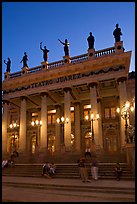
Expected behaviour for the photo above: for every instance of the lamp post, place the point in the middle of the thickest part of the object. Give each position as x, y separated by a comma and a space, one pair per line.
124, 112
38, 124
13, 126
62, 121
92, 119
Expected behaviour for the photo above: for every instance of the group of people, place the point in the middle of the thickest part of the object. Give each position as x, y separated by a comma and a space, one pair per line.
84, 165
117, 33
83, 169
48, 169
10, 162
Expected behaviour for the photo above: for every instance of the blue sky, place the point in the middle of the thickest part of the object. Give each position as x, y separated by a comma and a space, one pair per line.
26, 24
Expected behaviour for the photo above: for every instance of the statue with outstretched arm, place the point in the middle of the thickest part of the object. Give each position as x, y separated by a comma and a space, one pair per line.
66, 46
45, 52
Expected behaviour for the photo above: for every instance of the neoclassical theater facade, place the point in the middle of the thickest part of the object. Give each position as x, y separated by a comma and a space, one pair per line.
65, 106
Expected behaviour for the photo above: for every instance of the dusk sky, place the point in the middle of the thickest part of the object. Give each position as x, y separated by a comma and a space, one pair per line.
26, 24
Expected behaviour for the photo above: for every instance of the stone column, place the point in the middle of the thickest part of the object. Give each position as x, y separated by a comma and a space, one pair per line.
94, 110
122, 99
67, 114
4, 127
22, 131
57, 130
77, 136
43, 133
100, 138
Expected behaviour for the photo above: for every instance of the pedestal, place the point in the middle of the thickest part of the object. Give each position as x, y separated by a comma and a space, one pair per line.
6, 75
130, 153
91, 53
67, 59
24, 70
44, 65
119, 47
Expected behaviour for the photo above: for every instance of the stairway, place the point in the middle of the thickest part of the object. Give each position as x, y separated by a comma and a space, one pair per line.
68, 171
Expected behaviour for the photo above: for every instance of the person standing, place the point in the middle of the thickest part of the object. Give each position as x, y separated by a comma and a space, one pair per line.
83, 170
94, 168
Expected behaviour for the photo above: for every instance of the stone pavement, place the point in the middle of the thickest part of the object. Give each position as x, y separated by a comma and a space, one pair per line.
30, 189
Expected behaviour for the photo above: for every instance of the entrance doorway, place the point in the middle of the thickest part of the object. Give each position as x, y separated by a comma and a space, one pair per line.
88, 139
13, 142
51, 144
110, 141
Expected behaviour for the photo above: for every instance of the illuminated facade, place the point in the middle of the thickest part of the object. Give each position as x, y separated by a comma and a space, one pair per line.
36, 99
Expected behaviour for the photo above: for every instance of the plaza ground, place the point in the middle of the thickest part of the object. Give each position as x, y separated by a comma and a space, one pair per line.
28, 189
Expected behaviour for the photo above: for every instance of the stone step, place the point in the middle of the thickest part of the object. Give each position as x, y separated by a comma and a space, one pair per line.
67, 170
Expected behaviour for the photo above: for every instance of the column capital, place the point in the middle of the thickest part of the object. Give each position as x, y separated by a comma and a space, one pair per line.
5, 101
76, 103
23, 97
39, 109
121, 79
57, 106
93, 84
44, 94
98, 100
66, 89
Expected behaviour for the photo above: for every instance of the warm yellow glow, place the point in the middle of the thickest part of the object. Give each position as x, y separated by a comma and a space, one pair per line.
92, 116
67, 120
37, 122
11, 126
40, 122
52, 111
14, 124
87, 107
132, 108
32, 123
127, 104
118, 110
62, 119
72, 108
58, 120
86, 117
97, 116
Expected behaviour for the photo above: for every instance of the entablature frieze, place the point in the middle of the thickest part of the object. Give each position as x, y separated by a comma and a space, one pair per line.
62, 82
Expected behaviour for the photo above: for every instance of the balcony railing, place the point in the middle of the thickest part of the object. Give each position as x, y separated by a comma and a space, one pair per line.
73, 60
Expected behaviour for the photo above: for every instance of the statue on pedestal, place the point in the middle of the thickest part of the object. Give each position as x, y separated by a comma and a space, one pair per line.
91, 41
117, 33
24, 60
66, 46
45, 52
8, 63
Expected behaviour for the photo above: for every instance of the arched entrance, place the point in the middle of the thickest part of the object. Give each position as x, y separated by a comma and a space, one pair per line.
33, 144
13, 142
51, 143
110, 140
